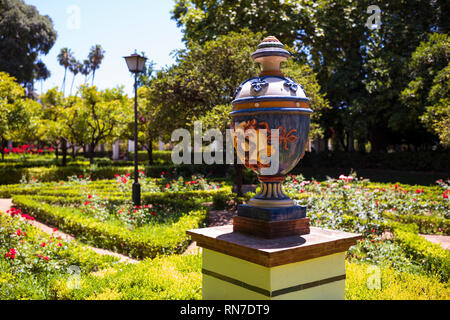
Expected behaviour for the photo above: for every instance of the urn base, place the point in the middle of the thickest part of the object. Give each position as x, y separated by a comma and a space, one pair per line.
271, 223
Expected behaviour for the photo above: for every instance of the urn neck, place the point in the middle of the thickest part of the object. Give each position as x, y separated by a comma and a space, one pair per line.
270, 53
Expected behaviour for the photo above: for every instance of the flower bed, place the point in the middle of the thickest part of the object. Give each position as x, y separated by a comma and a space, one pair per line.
148, 240
356, 205
31, 260
34, 265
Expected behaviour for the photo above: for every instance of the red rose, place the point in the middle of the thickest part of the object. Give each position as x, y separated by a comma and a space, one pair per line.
43, 244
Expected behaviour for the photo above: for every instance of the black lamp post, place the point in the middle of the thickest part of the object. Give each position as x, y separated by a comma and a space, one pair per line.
136, 64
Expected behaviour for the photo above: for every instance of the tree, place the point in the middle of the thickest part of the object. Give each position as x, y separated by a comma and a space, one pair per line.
437, 114
65, 57
85, 69
99, 115
41, 72
24, 34
75, 67
52, 122
427, 93
15, 110
206, 20
148, 120
96, 55
360, 70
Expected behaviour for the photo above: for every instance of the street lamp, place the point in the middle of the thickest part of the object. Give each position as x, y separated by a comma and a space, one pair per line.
136, 64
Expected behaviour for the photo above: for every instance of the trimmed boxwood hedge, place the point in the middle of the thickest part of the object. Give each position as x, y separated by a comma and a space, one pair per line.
435, 259
54, 173
140, 243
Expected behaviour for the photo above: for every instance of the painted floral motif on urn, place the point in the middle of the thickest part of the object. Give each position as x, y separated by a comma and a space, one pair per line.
270, 127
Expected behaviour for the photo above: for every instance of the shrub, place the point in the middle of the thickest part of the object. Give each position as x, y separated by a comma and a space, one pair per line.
394, 285
175, 278
147, 241
39, 259
435, 259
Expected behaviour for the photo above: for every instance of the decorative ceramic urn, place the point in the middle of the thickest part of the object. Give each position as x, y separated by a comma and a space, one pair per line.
262, 104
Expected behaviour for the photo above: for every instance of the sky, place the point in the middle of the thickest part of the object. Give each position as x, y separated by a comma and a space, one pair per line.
119, 27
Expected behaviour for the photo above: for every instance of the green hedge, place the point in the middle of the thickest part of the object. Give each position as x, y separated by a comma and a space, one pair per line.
54, 173
404, 161
147, 241
163, 278
434, 258
394, 285
425, 224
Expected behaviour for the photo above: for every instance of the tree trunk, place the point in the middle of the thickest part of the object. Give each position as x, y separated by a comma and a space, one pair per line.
377, 138
350, 143
361, 146
238, 179
93, 75
150, 153
91, 153
3, 149
74, 152
57, 150
64, 151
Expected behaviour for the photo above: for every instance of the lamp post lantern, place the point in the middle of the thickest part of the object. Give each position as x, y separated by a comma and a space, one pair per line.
136, 64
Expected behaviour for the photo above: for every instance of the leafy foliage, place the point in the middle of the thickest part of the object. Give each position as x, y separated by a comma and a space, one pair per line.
25, 35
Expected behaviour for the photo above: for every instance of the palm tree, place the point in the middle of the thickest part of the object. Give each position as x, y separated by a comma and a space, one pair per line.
64, 57
75, 67
95, 57
85, 69
41, 72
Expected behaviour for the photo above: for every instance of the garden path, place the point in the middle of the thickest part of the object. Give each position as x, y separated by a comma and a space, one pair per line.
6, 204
443, 241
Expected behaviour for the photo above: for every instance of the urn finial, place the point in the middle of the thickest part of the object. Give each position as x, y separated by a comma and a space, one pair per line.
270, 53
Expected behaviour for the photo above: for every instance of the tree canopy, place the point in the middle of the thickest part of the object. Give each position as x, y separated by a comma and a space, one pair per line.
360, 69
428, 92
24, 36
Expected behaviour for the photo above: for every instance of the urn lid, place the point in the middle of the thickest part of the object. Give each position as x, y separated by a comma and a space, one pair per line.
271, 88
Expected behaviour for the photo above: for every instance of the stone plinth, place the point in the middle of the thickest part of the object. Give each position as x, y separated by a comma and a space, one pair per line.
241, 266
271, 222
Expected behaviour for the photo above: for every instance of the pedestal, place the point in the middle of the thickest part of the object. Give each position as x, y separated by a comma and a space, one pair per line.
245, 267
271, 222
